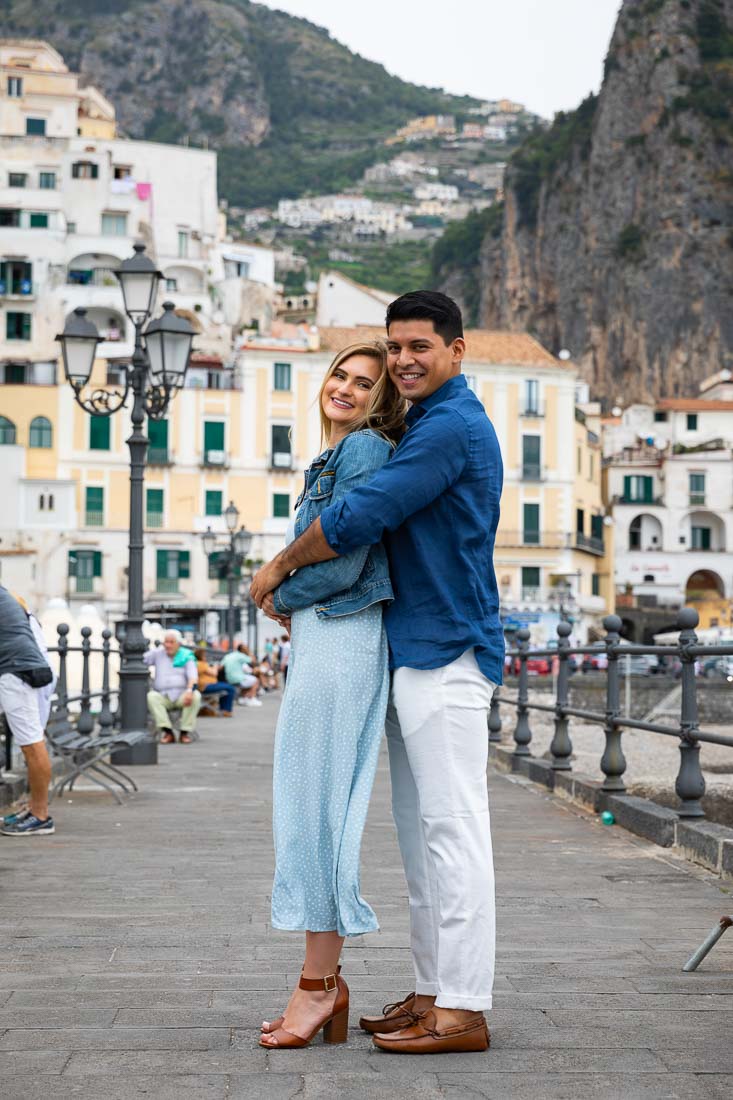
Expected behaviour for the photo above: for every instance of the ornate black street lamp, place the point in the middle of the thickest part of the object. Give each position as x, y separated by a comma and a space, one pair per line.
157, 372
231, 559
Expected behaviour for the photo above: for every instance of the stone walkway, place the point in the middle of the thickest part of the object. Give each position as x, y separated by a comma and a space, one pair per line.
137, 959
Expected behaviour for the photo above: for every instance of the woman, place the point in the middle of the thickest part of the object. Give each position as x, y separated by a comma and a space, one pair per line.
333, 709
209, 683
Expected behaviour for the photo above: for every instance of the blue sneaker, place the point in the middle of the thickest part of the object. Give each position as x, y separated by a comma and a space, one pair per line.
28, 825
11, 819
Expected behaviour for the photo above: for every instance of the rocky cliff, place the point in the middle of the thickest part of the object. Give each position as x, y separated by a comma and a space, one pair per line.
616, 239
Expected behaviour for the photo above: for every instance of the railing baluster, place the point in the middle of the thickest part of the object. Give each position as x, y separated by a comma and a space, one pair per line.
562, 747
106, 718
61, 706
85, 721
522, 731
690, 783
613, 761
495, 717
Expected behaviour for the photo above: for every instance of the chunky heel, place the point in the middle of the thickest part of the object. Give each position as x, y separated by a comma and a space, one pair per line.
336, 1030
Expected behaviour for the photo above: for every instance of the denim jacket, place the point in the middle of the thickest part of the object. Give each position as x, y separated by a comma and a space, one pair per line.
360, 578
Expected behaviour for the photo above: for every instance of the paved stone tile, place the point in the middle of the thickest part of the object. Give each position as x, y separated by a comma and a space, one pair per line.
137, 963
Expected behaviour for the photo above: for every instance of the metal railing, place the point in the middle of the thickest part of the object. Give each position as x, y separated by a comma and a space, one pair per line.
690, 783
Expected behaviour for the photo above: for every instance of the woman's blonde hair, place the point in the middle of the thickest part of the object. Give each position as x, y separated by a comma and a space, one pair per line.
385, 411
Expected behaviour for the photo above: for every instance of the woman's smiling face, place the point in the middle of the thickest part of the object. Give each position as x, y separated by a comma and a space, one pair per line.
346, 392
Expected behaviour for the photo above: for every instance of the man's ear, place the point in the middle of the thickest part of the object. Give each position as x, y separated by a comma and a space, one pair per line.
458, 349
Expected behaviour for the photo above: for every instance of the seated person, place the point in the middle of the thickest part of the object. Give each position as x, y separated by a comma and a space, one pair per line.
174, 687
209, 684
238, 671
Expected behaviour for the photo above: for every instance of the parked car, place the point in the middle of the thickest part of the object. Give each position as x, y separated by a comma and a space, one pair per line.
536, 666
718, 668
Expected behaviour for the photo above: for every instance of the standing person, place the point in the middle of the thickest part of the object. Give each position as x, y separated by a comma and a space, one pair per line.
210, 684
438, 500
174, 687
237, 667
284, 657
24, 672
332, 715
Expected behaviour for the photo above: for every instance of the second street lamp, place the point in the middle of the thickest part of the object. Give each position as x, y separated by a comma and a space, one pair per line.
230, 559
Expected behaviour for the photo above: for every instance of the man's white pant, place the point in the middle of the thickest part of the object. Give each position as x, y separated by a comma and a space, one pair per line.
438, 743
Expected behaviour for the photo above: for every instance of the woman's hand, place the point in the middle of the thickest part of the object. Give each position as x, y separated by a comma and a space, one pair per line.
268, 606
266, 581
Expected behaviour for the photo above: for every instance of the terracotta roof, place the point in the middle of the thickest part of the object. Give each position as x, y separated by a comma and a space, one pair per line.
482, 345
694, 404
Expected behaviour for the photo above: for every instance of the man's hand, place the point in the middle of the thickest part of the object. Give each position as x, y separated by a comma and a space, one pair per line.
268, 606
187, 698
265, 581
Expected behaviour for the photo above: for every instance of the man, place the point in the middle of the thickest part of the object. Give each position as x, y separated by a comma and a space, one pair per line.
176, 677
284, 657
24, 671
437, 504
237, 667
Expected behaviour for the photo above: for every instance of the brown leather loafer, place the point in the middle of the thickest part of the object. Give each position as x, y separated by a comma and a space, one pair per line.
394, 1017
168, 737
426, 1037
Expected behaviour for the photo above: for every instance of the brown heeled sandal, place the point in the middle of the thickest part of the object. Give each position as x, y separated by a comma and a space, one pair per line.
335, 1027
275, 1025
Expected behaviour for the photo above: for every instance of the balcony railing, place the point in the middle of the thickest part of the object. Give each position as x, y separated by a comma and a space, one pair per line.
281, 460
98, 276
17, 288
621, 498
166, 585
85, 584
94, 519
153, 519
532, 471
215, 458
533, 409
591, 543
159, 456
697, 498
549, 540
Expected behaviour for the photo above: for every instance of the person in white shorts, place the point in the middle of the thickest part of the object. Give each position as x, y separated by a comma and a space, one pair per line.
23, 665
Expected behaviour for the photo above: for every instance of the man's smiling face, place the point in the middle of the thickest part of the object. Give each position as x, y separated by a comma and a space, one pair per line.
418, 359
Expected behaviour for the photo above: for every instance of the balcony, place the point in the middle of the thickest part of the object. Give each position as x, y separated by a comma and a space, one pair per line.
591, 543
159, 456
697, 498
532, 471
18, 290
167, 586
281, 460
533, 410
84, 585
154, 519
215, 459
547, 540
94, 519
621, 498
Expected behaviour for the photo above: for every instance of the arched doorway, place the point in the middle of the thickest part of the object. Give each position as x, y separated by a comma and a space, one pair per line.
702, 585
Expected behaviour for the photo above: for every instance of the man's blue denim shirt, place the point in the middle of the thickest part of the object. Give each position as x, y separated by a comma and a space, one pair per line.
438, 499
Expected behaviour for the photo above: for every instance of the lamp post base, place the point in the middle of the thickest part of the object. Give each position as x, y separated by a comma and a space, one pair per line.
143, 752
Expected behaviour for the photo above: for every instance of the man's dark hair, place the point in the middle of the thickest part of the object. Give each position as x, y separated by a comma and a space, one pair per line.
428, 305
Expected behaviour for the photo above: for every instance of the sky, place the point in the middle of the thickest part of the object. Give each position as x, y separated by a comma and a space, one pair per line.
546, 54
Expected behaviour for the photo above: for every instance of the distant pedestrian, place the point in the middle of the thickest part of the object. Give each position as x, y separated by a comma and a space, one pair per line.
284, 657
174, 687
24, 673
238, 671
210, 684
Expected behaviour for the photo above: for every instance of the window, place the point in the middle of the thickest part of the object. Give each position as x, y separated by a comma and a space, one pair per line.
236, 269
579, 460
16, 277
660, 417
635, 534
94, 506
170, 567
17, 179
84, 170
17, 326
85, 565
697, 488
590, 467
35, 127
579, 520
214, 452
114, 225
596, 527
700, 538
39, 220
154, 507
530, 582
281, 505
692, 422
213, 502
7, 431
282, 376
71, 227
9, 219
531, 397
15, 87
171, 285
638, 489
41, 432
595, 585
15, 374
157, 442
182, 243
649, 578
47, 181
98, 433
281, 449
122, 171
531, 525
46, 503
531, 468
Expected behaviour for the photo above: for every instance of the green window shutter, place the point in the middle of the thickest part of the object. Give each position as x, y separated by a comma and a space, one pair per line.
281, 505
648, 495
98, 433
215, 568
530, 576
26, 326
627, 486
154, 502
94, 499
184, 563
72, 563
39, 221
161, 564
596, 527
97, 563
531, 524
158, 434
213, 502
282, 376
213, 436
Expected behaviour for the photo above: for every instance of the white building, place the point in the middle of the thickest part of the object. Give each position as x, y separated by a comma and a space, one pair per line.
442, 192
669, 471
344, 303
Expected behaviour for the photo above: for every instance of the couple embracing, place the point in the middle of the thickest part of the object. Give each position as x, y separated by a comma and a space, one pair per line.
389, 567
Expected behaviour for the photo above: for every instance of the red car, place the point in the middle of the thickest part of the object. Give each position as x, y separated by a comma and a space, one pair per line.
536, 666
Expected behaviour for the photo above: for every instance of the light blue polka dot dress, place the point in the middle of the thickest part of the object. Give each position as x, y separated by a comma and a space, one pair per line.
326, 746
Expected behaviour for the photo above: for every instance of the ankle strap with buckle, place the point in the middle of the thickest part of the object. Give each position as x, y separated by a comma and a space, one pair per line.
329, 983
